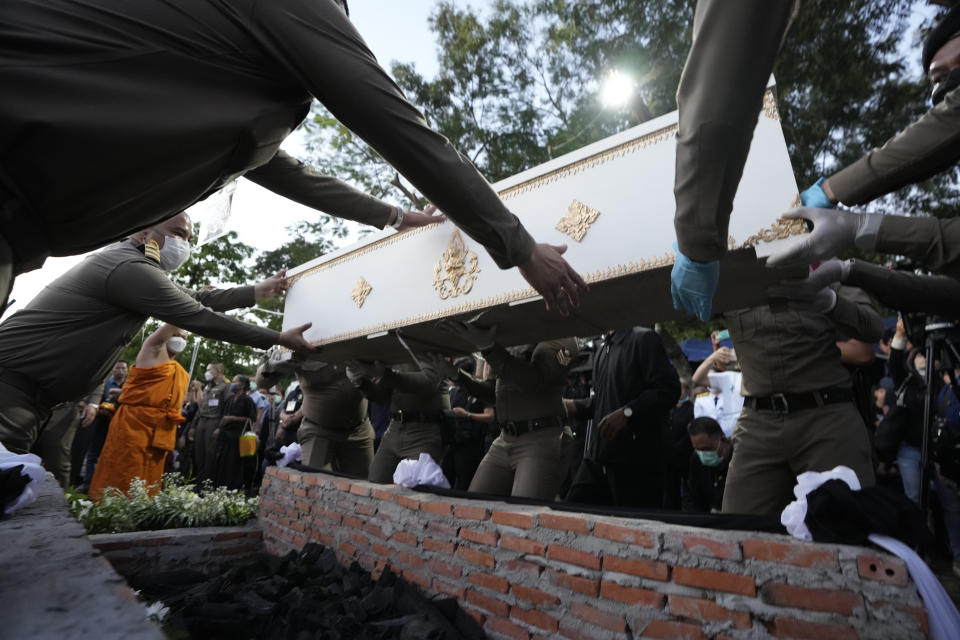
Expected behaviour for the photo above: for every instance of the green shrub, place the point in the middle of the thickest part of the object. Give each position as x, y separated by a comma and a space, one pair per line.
177, 504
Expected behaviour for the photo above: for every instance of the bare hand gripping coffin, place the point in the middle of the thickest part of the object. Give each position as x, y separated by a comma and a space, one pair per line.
611, 202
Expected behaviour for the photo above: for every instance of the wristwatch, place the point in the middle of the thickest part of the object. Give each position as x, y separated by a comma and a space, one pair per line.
627, 412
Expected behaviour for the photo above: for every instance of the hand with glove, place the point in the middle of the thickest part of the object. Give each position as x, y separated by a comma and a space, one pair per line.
834, 231
441, 365
693, 285
817, 197
478, 337
814, 293
358, 371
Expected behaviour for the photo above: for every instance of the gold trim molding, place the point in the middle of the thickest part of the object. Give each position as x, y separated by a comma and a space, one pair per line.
457, 269
770, 106
577, 220
361, 291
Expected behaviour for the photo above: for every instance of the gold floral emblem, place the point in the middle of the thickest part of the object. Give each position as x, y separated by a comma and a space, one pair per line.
577, 220
457, 269
770, 106
360, 292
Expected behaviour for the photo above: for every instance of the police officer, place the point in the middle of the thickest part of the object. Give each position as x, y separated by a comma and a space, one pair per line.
215, 396
531, 456
334, 433
798, 413
417, 402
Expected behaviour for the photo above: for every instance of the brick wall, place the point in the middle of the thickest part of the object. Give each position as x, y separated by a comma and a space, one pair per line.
205, 549
529, 572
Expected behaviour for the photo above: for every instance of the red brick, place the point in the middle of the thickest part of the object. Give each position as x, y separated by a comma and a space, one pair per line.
832, 600
374, 530
523, 545
521, 566
631, 595
350, 521
296, 526
717, 580
380, 494
492, 605
439, 508
322, 538
490, 581
445, 568
442, 529
537, 597
468, 512
416, 578
514, 519
359, 490
707, 610
702, 546
359, 539
230, 535
600, 618
300, 491
480, 537
566, 554
588, 586
341, 484
785, 627
564, 523
348, 549
801, 555
382, 550
404, 537
623, 534
410, 559
448, 588
674, 630
535, 619
432, 544
311, 479
884, 569
408, 502
364, 509
641, 567
477, 557
507, 628
919, 614
479, 616
333, 516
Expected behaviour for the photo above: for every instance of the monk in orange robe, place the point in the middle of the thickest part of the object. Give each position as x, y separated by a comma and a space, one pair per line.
144, 428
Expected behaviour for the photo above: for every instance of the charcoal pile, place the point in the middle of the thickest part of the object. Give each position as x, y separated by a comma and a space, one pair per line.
303, 596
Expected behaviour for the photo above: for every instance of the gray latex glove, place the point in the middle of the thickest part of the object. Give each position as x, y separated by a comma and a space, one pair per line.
479, 338
441, 365
834, 231
356, 371
814, 293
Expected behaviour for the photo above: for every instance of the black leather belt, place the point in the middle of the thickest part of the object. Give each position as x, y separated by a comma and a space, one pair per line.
520, 427
416, 416
792, 402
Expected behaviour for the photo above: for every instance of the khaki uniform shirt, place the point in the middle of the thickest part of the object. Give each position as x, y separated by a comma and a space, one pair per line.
69, 336
215, 397
413, 391
330, 400
528, 389
782, 350
117, 114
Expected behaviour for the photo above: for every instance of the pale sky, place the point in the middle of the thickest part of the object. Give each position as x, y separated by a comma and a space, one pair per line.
394, 31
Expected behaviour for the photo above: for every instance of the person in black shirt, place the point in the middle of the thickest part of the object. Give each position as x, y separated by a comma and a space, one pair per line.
679, 449
231, 470
708, 466
473, 418
634, 388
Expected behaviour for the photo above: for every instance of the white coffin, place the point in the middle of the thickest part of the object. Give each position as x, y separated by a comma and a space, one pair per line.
611, 203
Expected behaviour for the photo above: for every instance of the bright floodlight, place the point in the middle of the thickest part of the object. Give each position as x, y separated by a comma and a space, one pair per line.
617, 90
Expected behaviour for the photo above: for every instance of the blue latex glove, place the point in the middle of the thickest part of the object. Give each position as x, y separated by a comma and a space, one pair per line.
815, 196
693, 284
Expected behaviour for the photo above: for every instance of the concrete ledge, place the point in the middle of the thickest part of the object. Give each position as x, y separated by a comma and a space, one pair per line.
528, 572
54, 584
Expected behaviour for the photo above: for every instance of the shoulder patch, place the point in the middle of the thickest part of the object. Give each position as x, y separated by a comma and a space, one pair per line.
703, 395
564, 357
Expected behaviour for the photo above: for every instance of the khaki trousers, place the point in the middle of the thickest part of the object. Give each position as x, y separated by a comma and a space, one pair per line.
349, 451
20, 422
401, 442
532, 465
56, 441
770, 450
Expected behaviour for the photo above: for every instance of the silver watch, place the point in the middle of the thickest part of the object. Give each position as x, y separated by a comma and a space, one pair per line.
628, 412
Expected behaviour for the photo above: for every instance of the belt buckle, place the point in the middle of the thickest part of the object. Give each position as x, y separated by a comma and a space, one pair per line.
779, 398
510, 428
398, 415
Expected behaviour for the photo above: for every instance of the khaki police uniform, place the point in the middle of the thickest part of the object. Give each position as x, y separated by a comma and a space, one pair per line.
417, 402
798, 412
335, 433
531, 456
209, 413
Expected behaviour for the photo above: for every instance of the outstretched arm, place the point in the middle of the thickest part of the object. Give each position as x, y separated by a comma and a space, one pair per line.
154, 348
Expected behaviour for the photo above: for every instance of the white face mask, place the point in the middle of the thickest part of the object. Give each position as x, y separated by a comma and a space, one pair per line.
176, 344
174, 253
208, 376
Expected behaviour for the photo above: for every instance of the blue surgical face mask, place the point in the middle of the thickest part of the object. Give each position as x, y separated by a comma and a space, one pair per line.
234, 388
709, 458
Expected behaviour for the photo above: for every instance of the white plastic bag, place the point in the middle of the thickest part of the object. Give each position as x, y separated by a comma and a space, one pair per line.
795, 513
411, 473
291, 454
31, 467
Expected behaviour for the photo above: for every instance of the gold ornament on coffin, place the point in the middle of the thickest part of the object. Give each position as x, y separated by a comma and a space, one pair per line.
577, 220
457, 269
360, 292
